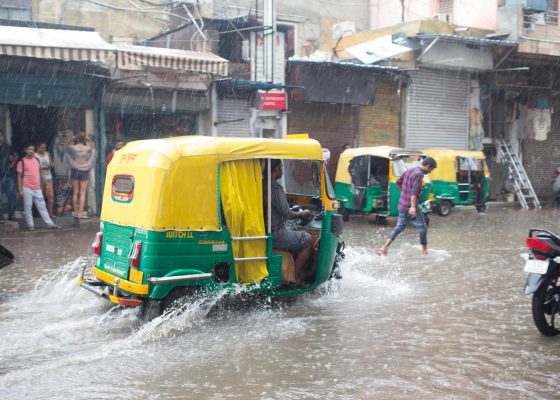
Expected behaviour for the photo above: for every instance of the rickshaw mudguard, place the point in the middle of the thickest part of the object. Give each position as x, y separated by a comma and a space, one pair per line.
159, 291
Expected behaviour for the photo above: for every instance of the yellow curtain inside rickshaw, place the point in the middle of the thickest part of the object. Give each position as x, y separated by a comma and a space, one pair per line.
242, 203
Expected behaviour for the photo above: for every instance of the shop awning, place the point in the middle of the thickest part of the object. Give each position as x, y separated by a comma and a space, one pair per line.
133, 57
58, 44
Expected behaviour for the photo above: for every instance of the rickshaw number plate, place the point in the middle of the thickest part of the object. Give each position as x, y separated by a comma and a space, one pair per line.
136, 276
536, 266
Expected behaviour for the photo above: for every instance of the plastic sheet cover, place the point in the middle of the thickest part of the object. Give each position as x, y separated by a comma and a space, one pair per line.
242, 202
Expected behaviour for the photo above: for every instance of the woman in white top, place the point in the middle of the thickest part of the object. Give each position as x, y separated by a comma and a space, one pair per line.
81, 156
46, 175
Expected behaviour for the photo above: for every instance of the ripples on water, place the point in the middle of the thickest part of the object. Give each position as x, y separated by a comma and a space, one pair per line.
401, 326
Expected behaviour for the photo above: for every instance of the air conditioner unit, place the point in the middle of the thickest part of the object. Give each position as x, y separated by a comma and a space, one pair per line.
345, 28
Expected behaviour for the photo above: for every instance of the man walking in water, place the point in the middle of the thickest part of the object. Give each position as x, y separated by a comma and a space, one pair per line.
410, 185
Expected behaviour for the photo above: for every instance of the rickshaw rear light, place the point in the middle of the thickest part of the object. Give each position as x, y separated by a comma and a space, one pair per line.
134, 255
96, 245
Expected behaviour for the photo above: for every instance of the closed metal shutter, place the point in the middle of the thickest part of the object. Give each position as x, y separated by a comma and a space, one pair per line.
437, 109
233, 117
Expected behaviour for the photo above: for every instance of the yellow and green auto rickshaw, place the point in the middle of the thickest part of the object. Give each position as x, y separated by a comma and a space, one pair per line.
185, 217
461, 178
366, 180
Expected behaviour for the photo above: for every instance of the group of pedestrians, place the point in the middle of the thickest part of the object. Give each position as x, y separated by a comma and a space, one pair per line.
32, 177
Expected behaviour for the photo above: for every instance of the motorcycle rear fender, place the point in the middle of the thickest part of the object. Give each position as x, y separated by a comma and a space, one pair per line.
534, 281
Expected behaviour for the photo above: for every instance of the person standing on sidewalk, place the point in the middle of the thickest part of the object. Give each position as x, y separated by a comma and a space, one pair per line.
410, 185
7, 184
46, 175
81, 156
29, 185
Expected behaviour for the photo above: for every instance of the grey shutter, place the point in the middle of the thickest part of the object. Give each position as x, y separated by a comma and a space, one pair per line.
437, 112
231, 110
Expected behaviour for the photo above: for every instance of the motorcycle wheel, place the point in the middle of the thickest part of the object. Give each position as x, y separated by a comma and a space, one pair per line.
546, 306
444, 208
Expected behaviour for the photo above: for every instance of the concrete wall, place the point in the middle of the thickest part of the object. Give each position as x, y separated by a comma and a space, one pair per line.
120, 19
474, 13
313, 20
386, 13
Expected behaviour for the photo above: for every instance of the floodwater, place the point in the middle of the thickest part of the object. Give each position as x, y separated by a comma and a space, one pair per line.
452, 325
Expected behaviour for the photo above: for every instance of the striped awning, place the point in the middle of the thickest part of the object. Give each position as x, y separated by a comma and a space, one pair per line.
132, 57
57, 44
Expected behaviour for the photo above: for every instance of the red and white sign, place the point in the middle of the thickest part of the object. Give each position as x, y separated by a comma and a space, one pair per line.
273, 101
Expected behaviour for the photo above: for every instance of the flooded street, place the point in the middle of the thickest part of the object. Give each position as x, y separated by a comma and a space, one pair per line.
454, 324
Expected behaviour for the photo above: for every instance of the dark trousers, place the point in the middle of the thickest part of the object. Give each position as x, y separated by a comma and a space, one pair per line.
8, 186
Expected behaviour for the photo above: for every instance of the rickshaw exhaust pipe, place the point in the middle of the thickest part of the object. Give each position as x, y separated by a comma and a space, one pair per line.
180, 278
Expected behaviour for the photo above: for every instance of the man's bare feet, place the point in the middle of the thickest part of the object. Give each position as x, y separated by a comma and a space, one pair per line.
381, 252
425, 252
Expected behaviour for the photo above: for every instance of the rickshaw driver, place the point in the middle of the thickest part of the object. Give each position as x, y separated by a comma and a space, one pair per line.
298, 242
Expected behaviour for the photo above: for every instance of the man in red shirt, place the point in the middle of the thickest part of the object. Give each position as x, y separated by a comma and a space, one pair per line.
29, 186
410, 185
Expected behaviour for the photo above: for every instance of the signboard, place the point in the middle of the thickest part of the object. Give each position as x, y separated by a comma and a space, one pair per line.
272, 100
377, 50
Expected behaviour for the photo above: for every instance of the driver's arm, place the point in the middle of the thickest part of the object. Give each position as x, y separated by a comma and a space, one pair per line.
298, 214
280, 203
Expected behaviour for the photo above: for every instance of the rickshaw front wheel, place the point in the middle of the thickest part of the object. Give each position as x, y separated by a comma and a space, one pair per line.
444, 208
481, 207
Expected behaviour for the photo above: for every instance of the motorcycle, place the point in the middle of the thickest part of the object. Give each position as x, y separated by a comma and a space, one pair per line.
543, 267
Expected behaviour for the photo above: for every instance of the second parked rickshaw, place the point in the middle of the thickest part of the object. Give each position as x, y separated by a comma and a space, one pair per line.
462, 178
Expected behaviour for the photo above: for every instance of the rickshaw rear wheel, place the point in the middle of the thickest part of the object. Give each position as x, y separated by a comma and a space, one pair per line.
345, 213
481, 207
444, 208
180, 296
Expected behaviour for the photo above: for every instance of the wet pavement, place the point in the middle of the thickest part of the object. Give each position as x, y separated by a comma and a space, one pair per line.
452, 325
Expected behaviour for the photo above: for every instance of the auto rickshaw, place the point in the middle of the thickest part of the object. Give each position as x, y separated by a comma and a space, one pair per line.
461, 178
184, 217
366, 180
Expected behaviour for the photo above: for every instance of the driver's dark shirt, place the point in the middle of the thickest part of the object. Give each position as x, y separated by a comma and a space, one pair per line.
279, 205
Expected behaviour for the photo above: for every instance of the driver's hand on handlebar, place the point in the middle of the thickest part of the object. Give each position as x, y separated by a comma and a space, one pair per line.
305, 213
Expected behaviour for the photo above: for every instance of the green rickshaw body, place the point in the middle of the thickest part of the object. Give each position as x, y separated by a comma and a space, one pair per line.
461, 178
366, 179
189, 212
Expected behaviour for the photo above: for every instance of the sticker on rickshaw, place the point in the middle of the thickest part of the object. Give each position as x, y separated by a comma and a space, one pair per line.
135, 276
178, 235
128, 158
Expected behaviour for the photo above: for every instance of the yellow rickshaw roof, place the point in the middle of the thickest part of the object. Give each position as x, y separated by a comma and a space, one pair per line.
175, 181
223, 147
378, 151
441, 153
342, 174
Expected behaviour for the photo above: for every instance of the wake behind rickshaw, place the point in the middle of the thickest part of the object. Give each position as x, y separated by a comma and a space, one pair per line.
184, 217
366, 180
461, 178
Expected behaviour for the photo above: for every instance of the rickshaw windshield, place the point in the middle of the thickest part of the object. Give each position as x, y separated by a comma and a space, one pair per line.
302, 177
404, 162
470, 164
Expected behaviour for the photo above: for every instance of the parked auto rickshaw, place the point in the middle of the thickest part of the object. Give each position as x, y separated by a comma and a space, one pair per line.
185, 217
461, 178
366, 180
